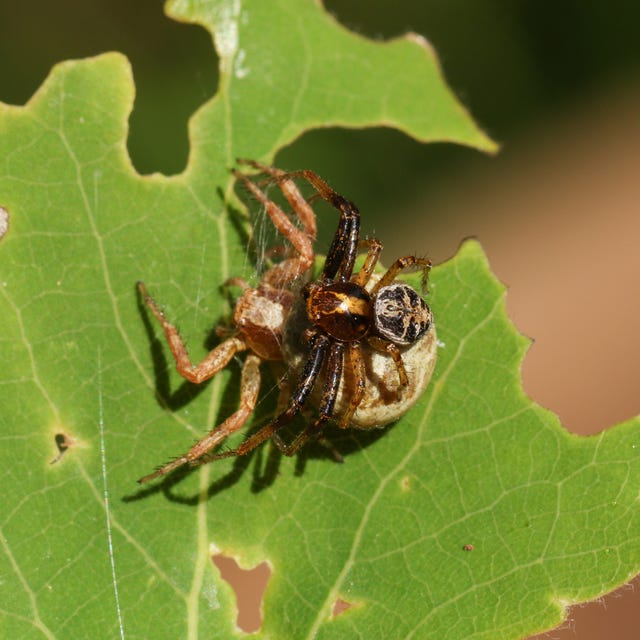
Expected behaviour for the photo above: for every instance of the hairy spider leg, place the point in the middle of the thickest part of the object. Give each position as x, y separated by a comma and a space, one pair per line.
319, 345
298, 202
291, 268
215, 361
356, 362
406, 262
373, 255
249, 389
335, 366
342, 252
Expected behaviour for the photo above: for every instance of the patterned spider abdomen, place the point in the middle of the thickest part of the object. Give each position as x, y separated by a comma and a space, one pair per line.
260, 315
400, 314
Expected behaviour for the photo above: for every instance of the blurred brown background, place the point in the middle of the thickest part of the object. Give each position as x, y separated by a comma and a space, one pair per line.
557, 211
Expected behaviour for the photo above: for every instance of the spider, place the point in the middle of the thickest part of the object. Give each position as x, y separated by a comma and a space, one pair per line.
385, 398
258, 318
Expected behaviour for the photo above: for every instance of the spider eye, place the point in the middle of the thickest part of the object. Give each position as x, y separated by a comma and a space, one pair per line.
400, 314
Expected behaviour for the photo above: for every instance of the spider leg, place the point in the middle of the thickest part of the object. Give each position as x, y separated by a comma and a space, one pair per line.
344, 246
335, 365
300, 205
308, 378
215, 361
289, 269
399, 265
384, 346
343, 250
373, 254
249, 388
356, 362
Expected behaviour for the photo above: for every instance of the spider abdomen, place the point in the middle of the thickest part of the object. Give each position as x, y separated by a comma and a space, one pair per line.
259, 316
400, 314
341, 309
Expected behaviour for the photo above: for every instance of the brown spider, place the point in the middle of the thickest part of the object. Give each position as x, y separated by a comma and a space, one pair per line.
345, 322
259, 317
386, 398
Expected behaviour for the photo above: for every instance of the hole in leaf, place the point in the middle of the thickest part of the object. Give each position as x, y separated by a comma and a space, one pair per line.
4, 222
249, 586
63, 443
340, 606
174, 65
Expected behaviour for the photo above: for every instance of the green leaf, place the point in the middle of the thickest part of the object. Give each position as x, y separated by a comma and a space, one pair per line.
552, 518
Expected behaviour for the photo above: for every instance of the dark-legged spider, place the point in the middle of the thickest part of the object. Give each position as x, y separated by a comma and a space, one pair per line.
259, 318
